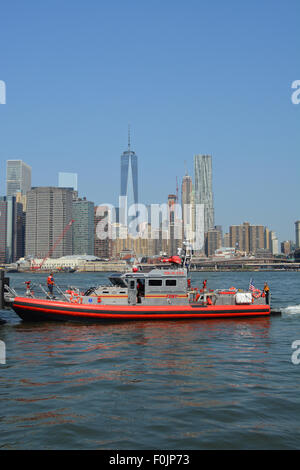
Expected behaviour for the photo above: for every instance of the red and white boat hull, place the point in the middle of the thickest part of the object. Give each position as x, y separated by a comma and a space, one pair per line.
47, 310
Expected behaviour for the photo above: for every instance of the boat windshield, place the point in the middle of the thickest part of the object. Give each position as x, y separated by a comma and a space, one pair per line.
117, 280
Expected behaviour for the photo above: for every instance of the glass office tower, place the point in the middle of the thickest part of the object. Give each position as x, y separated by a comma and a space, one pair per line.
129, 176
203, 189
83, 227
18, 177
129, 185
68, 180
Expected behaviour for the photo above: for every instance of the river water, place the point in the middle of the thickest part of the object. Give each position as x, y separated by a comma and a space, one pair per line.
204, 384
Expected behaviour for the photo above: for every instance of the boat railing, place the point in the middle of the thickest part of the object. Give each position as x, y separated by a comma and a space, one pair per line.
38, 291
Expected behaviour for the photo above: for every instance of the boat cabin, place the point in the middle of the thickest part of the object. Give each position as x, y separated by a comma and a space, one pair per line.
156, 287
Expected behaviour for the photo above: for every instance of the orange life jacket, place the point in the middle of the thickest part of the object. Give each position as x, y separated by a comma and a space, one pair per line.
50, 280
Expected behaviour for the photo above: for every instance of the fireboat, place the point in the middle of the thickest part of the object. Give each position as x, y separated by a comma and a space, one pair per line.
160, 293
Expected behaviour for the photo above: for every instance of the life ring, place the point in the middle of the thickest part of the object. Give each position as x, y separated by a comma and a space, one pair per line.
256, 293
75, 298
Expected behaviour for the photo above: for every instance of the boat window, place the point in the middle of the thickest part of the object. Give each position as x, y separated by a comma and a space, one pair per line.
171, 282
155, 282
117, 281
131, 284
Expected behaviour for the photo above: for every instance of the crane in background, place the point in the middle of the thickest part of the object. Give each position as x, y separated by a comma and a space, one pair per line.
57, 242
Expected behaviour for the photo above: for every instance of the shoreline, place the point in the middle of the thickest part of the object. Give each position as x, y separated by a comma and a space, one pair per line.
204, 269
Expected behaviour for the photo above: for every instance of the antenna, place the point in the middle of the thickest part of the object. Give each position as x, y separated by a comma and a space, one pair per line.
128, 137
186, 172
176, 189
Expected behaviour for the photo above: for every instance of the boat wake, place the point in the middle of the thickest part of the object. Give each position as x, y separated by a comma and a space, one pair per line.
292, 309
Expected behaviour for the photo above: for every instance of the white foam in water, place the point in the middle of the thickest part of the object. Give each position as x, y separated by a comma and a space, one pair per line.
292, 309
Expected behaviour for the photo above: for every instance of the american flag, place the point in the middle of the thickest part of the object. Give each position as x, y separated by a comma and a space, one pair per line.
251, 286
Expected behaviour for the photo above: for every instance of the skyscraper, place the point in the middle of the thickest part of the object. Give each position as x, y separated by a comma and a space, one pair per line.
173, 242
3, 229
49, 210
102, 236
297, 232
239, 237
11, 229
18, 177
129, 175
213, 241
203, 193
68, 180
83, 227
256, 238
186, 204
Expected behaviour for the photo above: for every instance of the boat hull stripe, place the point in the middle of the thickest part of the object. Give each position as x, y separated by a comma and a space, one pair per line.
58, 310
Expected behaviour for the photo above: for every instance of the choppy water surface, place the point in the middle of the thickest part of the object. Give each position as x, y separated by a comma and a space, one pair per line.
215, 384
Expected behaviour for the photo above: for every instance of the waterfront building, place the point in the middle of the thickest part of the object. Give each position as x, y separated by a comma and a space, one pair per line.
286, 247
226, 240
203, 194
224, 252
251, 238
49, 210
239, 237
213, 241
11, 230
18, 177
297, 230
267, 239
88, 263
83, 227
256, 238
219, 228
273, 243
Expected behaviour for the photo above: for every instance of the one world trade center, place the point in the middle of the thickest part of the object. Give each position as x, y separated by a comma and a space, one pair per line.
129, 177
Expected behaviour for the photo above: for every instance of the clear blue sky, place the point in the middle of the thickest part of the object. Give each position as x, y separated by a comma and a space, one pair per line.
189, 76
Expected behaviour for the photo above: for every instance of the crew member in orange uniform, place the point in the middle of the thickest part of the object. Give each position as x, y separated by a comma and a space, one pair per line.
266, 291
50, 284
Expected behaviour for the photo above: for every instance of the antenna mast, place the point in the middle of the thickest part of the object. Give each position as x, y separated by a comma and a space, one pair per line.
186, 172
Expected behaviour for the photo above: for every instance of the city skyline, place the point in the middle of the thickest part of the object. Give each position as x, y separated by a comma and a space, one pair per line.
202, 167
203, 83
43, 209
